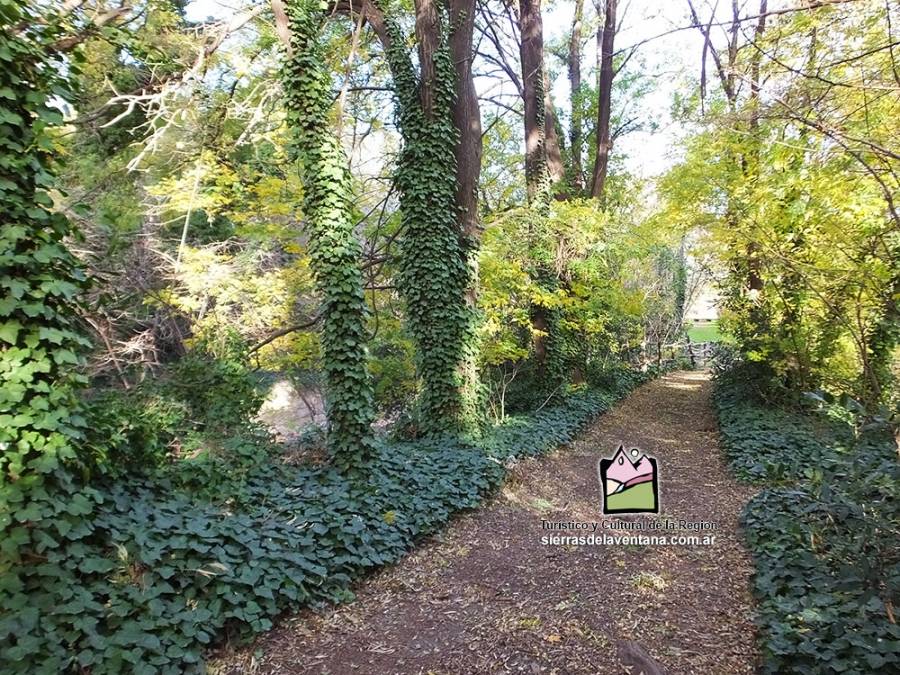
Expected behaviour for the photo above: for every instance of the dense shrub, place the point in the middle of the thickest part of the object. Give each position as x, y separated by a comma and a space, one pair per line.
824, 537
131, 430
198, 405
155, 573
213, 380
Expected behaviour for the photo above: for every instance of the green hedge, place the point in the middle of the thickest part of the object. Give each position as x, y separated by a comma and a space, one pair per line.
149, 574
824, 533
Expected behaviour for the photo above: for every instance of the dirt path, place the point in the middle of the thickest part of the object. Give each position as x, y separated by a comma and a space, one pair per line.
487, 597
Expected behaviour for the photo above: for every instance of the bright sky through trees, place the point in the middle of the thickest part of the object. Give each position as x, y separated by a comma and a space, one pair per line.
669, 59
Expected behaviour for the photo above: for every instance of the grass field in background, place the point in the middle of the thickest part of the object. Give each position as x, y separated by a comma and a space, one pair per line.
705, 333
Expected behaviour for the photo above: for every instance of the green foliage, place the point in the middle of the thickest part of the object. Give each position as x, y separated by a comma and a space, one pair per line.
155, 575
764, 442
824, 540
41, 346
215, 384
334, 249
393, 366
567, 279
795, 193
435, 272
204, 398
132, 431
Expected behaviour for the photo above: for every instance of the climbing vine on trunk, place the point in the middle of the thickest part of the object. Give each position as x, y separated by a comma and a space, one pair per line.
334, 248
40, 344
435, 273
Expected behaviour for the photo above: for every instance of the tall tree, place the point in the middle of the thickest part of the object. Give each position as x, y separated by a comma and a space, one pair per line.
437, 175
787, 186
334, 248
531, 52
747, 263
751, 164
576, 131
538, 124
438, 204
606, 34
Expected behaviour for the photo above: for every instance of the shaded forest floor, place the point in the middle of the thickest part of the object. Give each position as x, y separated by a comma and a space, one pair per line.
486, 597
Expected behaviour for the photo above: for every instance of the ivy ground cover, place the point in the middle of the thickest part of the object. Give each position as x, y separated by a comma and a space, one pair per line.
150, 575
824, 532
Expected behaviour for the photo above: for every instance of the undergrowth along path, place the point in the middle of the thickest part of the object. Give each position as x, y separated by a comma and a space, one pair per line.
486, 597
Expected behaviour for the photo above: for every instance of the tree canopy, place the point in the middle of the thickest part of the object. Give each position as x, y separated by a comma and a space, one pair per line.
444, 231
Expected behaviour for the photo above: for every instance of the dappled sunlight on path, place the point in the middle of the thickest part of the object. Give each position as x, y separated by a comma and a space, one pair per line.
487, 597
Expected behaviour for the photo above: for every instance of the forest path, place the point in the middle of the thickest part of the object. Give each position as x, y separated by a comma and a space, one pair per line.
485, 596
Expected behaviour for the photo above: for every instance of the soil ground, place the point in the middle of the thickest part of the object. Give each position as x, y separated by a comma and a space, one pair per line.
486, 597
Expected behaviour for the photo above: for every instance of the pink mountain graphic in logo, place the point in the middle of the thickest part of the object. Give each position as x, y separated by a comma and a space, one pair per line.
629, 482
624, 472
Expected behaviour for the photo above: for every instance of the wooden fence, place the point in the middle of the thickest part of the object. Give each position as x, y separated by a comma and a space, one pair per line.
697, 354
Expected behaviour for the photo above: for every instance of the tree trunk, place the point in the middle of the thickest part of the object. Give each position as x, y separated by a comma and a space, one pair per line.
334, 248
467, 119
427, 36
540, 327
605, 44
537, 170
437, 176
551, 136
531, 52
751, 170
576, 139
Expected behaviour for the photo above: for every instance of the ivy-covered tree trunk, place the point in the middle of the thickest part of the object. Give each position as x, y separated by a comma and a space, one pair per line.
436, 276
437, 176
40, 344
334, 248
